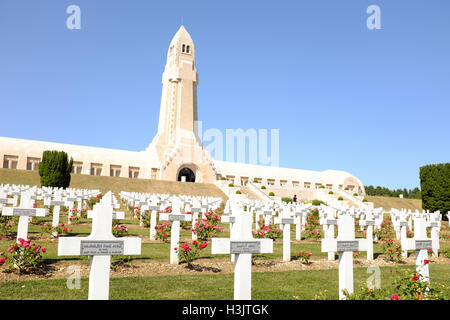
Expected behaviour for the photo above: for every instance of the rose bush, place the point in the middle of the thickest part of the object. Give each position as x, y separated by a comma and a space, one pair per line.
190, 253
25, 256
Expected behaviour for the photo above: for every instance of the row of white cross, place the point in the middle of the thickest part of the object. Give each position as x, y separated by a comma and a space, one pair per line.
101, 244
26, 209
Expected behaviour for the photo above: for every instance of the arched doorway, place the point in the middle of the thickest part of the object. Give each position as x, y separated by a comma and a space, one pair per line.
187, 173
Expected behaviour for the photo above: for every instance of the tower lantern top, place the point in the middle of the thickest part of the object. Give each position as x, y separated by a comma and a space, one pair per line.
181, 44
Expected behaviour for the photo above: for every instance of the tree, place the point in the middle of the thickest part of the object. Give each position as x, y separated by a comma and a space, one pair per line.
54, 169
435, 186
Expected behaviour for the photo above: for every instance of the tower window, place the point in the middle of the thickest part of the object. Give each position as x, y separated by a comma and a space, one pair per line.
187, 49
183, 48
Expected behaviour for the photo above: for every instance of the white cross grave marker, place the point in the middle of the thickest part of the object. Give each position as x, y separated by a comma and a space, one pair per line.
345, 244
420, 244
101, 245
285, 221
175, 217
24, 212
243, 245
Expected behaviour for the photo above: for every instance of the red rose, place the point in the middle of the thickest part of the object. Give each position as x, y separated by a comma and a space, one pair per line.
415, 278
395, 297
426, 261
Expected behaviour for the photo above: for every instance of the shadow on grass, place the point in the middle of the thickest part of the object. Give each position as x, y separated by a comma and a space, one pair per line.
198, 268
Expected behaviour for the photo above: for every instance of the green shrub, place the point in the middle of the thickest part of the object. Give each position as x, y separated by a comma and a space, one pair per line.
271, 194
231, 185
289, 200
355, 194
223, 178
340, 198
54, 169
238, 192
321, 187
345, 188
263, 187
364, 200
435, 187
331, 192
317, 202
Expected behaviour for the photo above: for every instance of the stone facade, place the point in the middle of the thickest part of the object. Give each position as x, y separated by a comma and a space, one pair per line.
176, 151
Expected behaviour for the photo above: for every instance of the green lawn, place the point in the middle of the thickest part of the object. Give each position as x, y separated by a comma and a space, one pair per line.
265, 285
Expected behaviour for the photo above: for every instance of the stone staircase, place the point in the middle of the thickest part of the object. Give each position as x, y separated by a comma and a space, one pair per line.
250, 193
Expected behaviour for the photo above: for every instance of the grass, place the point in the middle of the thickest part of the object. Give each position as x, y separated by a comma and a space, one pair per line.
116, 184
390, 202
265, 285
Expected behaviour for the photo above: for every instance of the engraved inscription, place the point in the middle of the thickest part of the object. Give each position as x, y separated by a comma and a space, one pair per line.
343, 246
177, 217
245, 247
423, 244
287, 221
331, 222
434, 224
232, 219
101, 248
57, 203
24, 212
370, 223
403, 224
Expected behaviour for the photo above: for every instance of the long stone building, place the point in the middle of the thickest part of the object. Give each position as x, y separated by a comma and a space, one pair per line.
176, 152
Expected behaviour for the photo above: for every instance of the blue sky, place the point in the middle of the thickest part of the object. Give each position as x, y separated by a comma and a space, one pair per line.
374, 103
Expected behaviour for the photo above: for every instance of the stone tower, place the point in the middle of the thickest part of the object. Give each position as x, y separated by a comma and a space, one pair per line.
179, 149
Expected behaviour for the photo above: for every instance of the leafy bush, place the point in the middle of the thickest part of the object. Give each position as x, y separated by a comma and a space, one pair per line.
317, 202
411, 286
263, 187
340, 198
391, 250
271, 194
355, 194
238, 192
331, 192
271, 231
435, 186
119, 230
189, 253
163, 231
25, 257
6, 225
207, 228
223, 178
304, 257
364, 200
345, 188
385, 230
54, 169
288, 200
231, 185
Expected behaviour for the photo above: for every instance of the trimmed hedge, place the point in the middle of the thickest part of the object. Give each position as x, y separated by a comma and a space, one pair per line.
54, 169
271, 194
435, 187
288, 200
